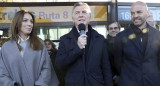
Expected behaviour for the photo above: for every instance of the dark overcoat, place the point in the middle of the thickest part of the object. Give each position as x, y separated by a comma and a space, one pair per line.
95, 72
135, 67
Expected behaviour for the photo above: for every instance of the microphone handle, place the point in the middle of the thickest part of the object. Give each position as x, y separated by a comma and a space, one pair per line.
82, 32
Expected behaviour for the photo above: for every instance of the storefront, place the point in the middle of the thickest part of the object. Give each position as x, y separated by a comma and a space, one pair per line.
53, 19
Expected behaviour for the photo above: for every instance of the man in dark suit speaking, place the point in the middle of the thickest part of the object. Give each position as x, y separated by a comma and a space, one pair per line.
82, 53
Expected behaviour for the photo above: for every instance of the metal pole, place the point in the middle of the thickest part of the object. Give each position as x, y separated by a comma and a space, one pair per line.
114, 10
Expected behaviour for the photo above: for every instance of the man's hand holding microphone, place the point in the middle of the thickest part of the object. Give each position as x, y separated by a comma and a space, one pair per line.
82, 39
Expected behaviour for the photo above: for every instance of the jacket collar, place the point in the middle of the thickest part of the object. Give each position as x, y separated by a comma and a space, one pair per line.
130, 33
74, 33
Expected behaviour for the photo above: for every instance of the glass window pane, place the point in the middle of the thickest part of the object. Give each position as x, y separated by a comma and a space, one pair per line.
101, 29
62, 31
41, 35
53, 33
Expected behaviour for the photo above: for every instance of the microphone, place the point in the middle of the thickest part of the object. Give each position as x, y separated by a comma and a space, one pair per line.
81, 28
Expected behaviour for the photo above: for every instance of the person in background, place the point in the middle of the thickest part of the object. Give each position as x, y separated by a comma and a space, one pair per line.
151, 22
113, 30
24, 60
51, 48
137, 50
84, 57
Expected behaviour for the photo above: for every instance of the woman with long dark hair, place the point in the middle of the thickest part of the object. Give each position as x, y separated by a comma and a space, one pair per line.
24, 59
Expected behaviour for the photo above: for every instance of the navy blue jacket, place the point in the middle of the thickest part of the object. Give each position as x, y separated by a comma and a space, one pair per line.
137, 68
96, 71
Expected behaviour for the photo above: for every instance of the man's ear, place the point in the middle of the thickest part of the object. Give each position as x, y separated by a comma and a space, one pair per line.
148, 12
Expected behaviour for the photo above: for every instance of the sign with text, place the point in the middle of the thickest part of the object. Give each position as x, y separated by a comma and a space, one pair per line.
124, 13
50, 14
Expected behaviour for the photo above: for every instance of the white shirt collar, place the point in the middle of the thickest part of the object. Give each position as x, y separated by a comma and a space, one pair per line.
85, 31
21, 39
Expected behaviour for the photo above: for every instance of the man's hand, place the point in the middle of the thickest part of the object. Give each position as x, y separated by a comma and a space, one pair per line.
82, 41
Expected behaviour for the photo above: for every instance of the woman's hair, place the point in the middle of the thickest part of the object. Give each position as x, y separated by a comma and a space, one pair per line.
53, 45
35, 42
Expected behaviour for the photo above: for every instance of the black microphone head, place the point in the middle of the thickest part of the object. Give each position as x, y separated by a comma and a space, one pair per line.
81, 27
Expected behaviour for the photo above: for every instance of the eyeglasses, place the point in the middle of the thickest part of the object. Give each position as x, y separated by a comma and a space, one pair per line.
115, 28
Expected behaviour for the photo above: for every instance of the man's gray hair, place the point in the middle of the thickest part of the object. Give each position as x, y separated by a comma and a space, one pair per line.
81, 4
